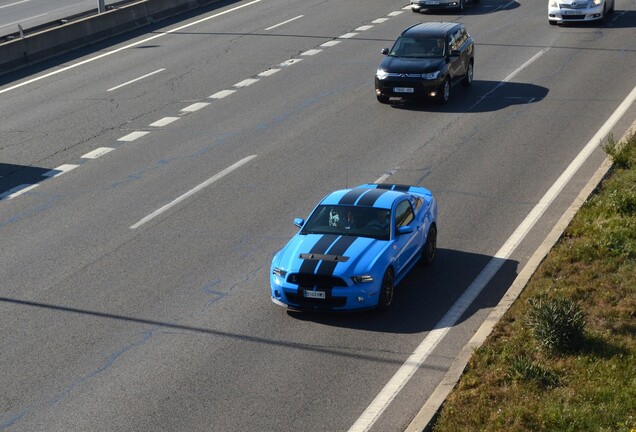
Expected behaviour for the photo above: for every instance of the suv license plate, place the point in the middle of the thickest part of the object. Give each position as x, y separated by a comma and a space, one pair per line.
403, 89
315, 294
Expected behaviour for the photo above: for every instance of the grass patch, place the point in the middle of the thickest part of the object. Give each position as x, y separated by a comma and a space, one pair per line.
563, 358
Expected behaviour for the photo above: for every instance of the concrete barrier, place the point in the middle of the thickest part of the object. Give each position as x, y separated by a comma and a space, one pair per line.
34, 48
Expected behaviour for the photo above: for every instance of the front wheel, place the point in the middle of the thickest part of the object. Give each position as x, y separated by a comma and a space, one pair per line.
460, 8
386, 291
383, 99
468, 79
444, 92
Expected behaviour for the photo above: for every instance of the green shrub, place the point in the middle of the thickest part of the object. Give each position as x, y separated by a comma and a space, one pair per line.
558, 324
522, 368
618, 152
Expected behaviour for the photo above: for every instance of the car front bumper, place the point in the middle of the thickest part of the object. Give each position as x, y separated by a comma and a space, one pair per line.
562, 14
405, 88
355, 297
433, 4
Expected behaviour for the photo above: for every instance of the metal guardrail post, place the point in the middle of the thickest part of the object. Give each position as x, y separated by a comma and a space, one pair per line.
101, 7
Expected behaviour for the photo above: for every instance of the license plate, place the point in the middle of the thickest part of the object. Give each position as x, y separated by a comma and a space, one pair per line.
403, 89
570, 12
430, 2
315, 294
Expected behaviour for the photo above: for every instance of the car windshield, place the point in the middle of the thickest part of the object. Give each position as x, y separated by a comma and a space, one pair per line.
424, 47
357, 221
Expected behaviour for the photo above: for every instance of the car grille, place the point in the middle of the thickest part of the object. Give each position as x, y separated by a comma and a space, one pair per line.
312, 280
312, 303
402, 75
572, 17
573, 6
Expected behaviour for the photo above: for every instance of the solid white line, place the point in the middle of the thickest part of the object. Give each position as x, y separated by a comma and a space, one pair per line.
191, 192
23, 20
136, 79
97, 153
164, 121
284, 22
106, 54
406, 371
133, 136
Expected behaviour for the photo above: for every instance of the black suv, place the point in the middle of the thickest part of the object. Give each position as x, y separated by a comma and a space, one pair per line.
426, 61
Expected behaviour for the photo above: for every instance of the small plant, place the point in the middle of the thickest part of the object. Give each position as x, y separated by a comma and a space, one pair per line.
558, 324
618, 152
522, 368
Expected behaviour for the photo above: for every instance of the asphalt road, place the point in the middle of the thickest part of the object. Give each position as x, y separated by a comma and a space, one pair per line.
124, 307
31, 13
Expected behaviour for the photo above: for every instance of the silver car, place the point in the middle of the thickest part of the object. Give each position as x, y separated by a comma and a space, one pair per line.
560, 11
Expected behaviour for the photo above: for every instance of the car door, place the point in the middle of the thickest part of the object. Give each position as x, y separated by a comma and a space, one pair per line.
406, 245
455, 61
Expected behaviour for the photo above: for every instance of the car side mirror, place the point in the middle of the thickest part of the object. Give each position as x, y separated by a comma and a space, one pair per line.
299, 222
384, 51
455, 53
408, 229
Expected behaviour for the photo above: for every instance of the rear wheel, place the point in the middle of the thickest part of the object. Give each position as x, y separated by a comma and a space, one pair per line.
386, 292
430, 247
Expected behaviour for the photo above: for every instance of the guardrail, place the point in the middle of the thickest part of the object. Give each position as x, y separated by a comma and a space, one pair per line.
42, 45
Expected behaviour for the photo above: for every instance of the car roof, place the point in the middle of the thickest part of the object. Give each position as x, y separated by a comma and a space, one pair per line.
431, 29
372, 195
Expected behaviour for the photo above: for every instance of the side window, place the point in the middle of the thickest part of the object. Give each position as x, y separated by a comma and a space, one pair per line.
403, 214
456, 42
417, 202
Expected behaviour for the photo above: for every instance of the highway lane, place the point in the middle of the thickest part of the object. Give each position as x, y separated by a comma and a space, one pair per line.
31, 13
169, 326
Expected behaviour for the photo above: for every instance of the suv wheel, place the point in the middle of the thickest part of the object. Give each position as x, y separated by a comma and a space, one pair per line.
383, 99
444, 92
468, 79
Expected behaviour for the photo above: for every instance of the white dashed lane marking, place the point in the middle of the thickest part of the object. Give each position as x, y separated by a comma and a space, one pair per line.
222, 94
268, 72
246, 82
97, 153
347, 35
311, 52
164, 121
62, 169
195, 107
133, 136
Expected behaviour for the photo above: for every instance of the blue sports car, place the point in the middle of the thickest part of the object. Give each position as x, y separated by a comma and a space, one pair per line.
355, 247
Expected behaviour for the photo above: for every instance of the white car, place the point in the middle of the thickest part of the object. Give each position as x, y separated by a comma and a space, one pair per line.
561, 11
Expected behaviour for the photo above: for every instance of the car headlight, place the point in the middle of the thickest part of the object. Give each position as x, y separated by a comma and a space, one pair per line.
554, 4
279, 272
597, 2
362, 279
381, 74
431, 75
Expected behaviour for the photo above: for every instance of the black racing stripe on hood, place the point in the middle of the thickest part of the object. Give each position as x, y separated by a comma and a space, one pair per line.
339, 248
352, 196
371, 197
321, 246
